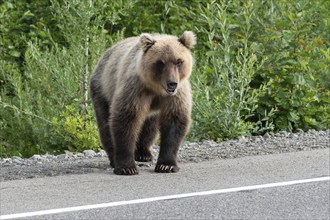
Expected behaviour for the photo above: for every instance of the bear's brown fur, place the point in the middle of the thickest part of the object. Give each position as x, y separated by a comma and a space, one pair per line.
139, 87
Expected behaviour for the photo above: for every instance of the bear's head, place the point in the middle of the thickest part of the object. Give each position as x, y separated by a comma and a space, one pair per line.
166, 61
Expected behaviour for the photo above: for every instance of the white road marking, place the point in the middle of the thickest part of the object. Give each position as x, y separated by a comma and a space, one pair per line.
161, 198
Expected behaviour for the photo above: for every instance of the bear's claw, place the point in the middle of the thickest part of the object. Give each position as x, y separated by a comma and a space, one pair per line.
141, 158
145, 157
126, 171
161, 168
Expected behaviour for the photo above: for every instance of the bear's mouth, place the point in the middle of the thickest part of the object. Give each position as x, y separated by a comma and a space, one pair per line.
170, 91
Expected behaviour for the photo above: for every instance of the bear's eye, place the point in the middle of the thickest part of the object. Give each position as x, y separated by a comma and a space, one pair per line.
160, 65
179, 62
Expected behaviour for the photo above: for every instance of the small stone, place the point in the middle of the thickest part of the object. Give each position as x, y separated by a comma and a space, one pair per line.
36, 157
293, 135
312, 131
193, 145
242, 139
50, 157
321, 133
80, 155
17, 161
101, 153
7, 160
299, 131
16, 157
283, 133
144, 165
62, 156
208, 143
89, 153
232, 143
255, 138
266, 136
69, 153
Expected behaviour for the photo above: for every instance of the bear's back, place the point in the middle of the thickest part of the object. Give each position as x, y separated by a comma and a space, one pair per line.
115, 60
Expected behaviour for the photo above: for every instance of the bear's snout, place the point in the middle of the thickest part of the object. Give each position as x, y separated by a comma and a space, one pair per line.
172, 84
171, 87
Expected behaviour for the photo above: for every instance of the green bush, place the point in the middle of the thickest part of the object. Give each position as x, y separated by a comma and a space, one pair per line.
23, 129
34, 102
225, 99
294, 41
75, 131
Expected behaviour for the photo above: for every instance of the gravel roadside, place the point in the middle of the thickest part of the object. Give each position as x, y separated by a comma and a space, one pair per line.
190, 152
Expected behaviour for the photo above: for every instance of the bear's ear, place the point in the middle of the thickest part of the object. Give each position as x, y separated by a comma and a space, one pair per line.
146, 41
188, 39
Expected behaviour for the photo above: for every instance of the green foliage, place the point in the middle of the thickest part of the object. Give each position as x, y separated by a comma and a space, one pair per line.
23, 128
225, 98
77, 132
33, 99
297, 66
259, 66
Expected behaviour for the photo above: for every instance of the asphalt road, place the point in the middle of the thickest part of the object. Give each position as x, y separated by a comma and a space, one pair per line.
257, 187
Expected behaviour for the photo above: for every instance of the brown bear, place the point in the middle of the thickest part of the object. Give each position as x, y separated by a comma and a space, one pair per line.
139, 87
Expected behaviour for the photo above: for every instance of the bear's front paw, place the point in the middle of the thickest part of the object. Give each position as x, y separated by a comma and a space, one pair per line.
126, 171
162, 168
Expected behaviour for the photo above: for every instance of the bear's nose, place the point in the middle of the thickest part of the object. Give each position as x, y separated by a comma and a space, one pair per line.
172, 84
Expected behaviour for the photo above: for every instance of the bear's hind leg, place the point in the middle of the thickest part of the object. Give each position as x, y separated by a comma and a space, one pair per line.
146, 139
102, 118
